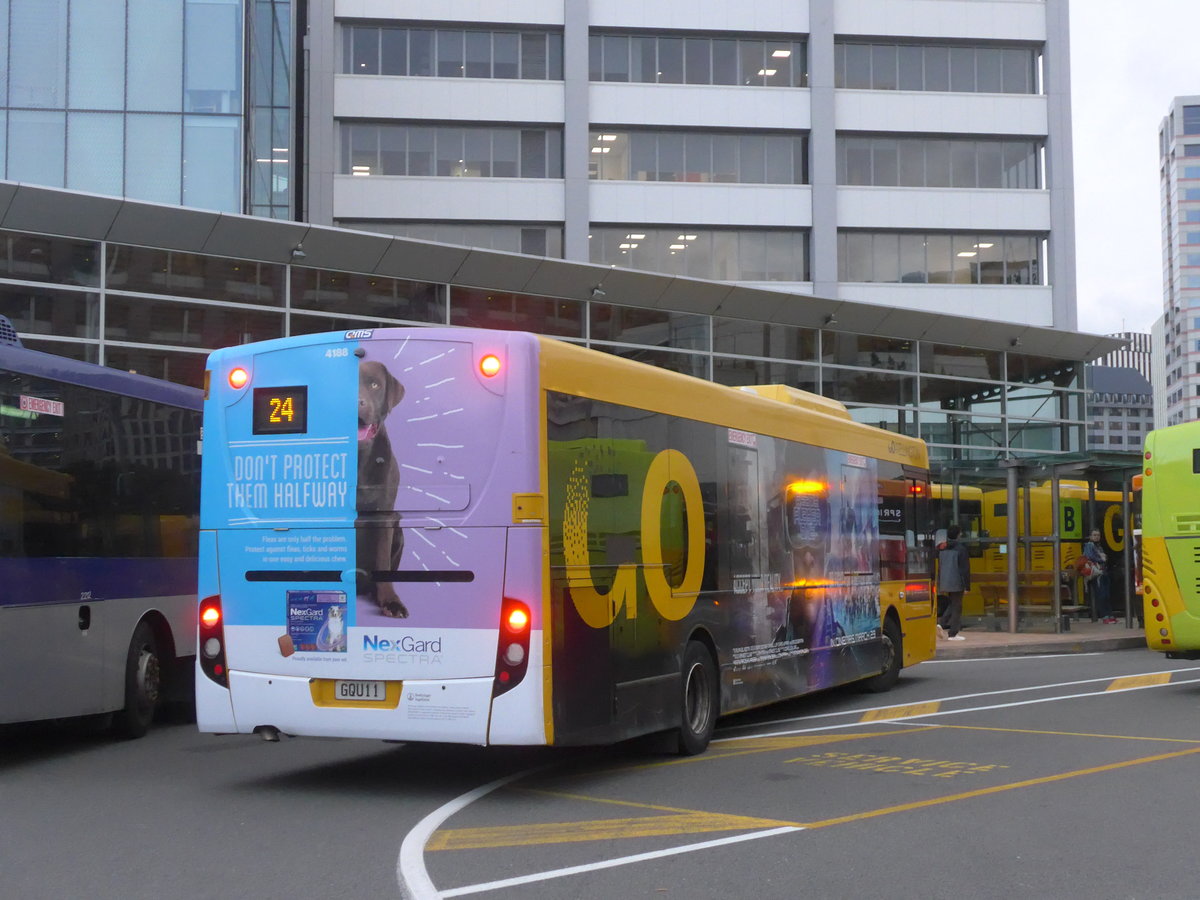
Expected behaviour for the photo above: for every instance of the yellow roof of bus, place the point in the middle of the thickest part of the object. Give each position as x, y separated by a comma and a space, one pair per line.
786, 413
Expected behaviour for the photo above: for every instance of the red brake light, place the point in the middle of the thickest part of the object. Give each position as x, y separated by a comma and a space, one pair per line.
490, 365
238, 378
512, 650
211, 644
517, 621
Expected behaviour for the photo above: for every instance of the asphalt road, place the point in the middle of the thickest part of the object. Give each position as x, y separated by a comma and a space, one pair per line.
1069, 776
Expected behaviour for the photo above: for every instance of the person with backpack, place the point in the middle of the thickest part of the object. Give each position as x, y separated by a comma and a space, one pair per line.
953, 579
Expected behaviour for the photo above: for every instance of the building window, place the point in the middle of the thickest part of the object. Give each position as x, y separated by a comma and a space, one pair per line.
935, 67
533, 239
922, 162
451, 52
450, 151
677, 59
1191, 120
748, 158
714, 253
916, 258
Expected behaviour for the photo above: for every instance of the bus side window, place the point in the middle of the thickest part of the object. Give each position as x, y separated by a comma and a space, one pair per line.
919, 513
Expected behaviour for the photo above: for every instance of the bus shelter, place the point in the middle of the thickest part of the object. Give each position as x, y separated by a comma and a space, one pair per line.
1025, 522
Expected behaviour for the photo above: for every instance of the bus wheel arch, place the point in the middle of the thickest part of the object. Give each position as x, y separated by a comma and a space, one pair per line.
144, 677
892, 636
699, 694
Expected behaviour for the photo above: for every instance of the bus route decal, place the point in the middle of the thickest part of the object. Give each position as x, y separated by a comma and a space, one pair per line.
669, 467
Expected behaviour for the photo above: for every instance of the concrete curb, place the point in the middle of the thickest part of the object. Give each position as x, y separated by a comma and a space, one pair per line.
1033, 647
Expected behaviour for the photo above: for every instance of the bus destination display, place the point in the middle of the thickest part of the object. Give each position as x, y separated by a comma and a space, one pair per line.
281, 410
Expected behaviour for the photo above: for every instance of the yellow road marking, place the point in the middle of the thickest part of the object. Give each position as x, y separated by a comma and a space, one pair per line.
1118, 737
981, 792
681, 821
685, 821
901, 712
744, 746
596, 830
1136, 681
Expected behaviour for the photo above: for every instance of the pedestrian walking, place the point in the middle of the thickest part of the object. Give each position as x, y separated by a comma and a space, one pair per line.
953, 578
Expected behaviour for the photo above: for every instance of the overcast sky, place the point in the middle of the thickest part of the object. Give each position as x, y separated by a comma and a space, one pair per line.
1129, 58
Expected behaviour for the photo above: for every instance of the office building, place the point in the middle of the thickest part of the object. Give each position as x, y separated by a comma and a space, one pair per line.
896, 152
1120, 408
870, 199
1179, 179
1136, 354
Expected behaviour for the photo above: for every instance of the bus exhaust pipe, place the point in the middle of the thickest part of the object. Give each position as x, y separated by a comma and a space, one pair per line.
268, 733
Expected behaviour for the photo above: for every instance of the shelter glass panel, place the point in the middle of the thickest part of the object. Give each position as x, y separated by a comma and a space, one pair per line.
763, 339
350, 294
737, 372
658, 328
857, 385
478, 308
961, 362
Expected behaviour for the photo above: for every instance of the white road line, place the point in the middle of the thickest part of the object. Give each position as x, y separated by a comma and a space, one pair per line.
610, 863
411, 874
1017, 690
916, 720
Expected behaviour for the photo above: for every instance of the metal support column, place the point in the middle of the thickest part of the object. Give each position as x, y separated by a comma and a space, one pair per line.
1056, 543
1013, 588
1127, 539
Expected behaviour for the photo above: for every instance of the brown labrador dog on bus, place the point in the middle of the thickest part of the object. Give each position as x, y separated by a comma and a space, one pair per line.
380, 538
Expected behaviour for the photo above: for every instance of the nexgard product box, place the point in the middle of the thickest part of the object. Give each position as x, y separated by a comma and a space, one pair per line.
316, 621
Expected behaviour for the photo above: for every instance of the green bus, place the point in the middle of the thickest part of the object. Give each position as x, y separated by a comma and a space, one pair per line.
1170, 540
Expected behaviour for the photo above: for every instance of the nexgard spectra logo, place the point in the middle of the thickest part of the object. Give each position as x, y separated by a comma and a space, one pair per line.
405, 649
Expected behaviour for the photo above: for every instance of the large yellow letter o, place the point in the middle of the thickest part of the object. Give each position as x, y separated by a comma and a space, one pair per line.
672, 466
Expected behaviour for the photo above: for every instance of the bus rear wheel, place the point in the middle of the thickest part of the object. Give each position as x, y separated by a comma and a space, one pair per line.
699, 699
143, 684
893, 659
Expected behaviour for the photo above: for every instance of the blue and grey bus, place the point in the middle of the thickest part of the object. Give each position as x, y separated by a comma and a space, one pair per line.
99, 495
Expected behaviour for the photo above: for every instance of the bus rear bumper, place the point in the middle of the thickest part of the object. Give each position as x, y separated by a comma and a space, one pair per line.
451, 711
214, 711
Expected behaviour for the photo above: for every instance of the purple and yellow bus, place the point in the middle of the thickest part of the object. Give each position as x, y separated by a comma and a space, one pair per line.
488, 537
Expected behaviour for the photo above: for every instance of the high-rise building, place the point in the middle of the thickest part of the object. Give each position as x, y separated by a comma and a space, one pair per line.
890, 151
898, 152
1179, 179
1136, 354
